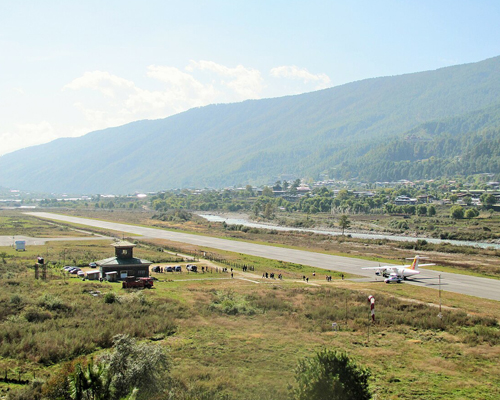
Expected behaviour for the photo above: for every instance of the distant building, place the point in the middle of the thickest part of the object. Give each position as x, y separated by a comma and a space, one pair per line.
124, 263
303, 189
404, 200
425, 198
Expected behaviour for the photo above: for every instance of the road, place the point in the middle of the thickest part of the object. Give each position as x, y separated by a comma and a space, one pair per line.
464, 284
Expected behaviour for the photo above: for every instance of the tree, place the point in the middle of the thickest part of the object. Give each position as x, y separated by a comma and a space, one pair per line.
453, 198
330, 375
488, 200
143, 366
431, 211
422, 210
470, 213
256, 208
344, 222
268, 210
457, 212
267, 191
249, 190
90, 382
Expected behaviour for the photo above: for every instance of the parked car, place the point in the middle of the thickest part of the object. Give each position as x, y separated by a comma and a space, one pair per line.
178, 268
192, 268
169, 269
393, 279
156, 268
93, 265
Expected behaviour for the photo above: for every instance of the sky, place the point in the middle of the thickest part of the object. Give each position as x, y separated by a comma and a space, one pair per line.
71, 67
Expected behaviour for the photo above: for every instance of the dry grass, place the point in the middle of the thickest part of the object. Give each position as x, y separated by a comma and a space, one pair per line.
410, 353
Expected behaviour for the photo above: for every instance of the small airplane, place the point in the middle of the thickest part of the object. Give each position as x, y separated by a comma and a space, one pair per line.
402, 272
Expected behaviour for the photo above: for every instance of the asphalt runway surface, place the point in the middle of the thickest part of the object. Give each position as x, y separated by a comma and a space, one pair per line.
464, 284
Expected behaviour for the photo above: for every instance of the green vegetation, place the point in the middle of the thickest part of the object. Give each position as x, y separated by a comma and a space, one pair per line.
331, 375
63, 330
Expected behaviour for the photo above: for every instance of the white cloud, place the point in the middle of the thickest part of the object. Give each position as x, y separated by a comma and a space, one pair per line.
321, 81
247, 83
101, 81
180, 91
24, 135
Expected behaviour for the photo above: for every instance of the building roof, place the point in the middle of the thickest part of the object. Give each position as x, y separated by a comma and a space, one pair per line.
107, 262
123, 244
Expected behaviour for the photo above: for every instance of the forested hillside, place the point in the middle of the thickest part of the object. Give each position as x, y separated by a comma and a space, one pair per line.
375, 129
463, 145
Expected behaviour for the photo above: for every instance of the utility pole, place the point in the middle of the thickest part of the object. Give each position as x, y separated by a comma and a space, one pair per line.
346, 292
440, 315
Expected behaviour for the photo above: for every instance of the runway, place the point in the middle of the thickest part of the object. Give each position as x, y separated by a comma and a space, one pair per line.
464, 284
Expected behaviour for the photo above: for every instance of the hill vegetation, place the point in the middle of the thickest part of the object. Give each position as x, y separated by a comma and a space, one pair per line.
358, 129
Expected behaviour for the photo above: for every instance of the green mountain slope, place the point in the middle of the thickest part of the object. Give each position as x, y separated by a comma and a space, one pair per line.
465, 145
255, 141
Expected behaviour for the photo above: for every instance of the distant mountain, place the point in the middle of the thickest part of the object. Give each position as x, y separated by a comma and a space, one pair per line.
465, 145
255, 141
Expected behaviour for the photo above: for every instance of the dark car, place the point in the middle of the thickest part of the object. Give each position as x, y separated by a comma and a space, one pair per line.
192, 268
178, 268
169, 269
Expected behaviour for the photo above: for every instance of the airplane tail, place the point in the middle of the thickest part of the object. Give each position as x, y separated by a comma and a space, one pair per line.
414, 264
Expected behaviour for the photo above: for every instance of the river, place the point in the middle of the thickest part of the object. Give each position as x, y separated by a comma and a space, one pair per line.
245, 222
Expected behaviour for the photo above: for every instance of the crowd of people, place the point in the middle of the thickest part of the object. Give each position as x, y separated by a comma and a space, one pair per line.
271, 275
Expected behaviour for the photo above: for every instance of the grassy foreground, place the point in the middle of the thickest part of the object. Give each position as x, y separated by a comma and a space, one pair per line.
243, 336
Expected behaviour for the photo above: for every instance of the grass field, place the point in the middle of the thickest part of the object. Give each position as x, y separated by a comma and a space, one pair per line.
244, 336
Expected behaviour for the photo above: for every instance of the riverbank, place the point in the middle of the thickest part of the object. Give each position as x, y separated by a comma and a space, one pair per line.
245, 219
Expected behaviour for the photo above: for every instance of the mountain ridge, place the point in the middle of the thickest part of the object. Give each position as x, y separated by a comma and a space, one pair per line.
256, 140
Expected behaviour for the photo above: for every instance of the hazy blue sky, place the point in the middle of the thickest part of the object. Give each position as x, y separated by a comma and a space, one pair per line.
70, 67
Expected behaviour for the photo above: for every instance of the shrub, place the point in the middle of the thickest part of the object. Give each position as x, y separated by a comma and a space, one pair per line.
33, 314
230, 303
457, 212
330, 375
16, 300
110, 298
51, 302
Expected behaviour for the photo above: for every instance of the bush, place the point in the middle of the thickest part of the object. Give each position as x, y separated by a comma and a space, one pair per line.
110, 298
16, 300
330, 375
33, 314
232, 304
457, 212
51, 302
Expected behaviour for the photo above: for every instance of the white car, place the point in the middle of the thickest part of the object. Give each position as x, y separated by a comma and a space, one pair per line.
393, 279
